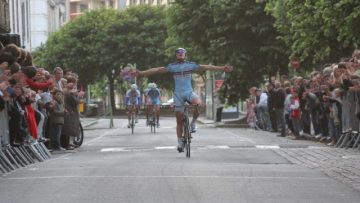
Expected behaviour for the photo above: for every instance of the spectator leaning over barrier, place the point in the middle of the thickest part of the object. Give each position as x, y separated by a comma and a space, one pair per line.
24, 94
329, 99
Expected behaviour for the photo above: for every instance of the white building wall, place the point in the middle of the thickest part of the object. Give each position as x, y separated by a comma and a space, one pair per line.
20, 21
39, 20
47, 16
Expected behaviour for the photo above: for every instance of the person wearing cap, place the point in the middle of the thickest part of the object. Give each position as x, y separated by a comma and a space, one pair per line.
132, 98
182, 73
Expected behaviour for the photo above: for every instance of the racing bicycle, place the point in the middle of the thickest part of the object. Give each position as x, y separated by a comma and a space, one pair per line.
187, 128
152, 118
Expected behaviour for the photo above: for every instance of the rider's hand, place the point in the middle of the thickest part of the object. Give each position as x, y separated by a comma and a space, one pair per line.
135, 73
228, 68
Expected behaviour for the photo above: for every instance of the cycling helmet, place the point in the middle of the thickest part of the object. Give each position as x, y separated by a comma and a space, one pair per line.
154, 84
150, 85
179, 50
133, 87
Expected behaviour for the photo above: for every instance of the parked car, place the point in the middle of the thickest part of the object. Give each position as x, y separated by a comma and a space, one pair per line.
168, 104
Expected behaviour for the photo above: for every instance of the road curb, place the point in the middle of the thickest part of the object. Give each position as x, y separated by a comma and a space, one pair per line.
85, 125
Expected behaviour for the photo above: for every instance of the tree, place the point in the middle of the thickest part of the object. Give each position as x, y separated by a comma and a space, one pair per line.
239, 33
99, 42
317, 31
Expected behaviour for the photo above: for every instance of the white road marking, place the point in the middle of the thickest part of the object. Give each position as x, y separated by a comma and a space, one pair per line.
162, 177
133, 149
267, 146
113, 150
125, 149
241, 139
166, 147
217, 147
97, 138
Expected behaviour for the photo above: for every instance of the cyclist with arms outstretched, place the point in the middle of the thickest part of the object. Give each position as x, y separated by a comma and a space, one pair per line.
182, 73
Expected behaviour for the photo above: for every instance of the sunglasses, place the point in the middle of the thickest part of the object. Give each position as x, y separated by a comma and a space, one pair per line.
181, 52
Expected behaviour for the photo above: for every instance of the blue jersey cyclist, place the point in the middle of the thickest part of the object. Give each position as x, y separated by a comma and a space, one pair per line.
132, 99
182, 73
152, 95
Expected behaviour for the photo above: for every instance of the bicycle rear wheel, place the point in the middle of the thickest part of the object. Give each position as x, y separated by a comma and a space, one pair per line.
79, 138
154, 121
152, 125
132, 123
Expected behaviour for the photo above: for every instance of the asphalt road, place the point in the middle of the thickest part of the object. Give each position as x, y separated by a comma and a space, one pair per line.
227, 165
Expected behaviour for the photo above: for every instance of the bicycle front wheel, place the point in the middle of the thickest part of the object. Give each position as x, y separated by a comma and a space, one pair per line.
187, 136
132, 124
187, 146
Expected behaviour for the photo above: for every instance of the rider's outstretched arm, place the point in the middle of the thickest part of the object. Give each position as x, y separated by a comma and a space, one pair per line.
151, 71
216, 68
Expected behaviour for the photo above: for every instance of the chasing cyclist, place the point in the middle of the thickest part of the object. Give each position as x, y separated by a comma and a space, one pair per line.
153, 101
182, 72
132, 100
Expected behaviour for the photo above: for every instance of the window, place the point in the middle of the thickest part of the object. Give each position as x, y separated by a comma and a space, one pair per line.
17, 17
83, 7
23, 22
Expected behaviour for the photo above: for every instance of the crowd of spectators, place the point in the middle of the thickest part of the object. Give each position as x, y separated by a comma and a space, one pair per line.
36, 105
323, 105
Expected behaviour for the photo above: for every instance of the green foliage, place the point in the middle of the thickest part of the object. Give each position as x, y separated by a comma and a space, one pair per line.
98, 89
103, 40
232, 32
82, 46
317, 31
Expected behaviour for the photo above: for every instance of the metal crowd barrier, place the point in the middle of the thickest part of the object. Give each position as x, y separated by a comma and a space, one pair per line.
12, 158
350, 137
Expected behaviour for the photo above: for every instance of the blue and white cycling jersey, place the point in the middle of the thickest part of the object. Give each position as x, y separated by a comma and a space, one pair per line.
182, 72
153, 96
132, 97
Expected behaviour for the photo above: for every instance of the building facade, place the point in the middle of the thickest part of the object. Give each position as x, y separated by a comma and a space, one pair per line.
4, 16
34, 20
47, 16
19, 11
77, 7
149, 2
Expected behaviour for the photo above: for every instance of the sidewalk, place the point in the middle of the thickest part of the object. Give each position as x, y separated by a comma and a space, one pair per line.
225, 123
